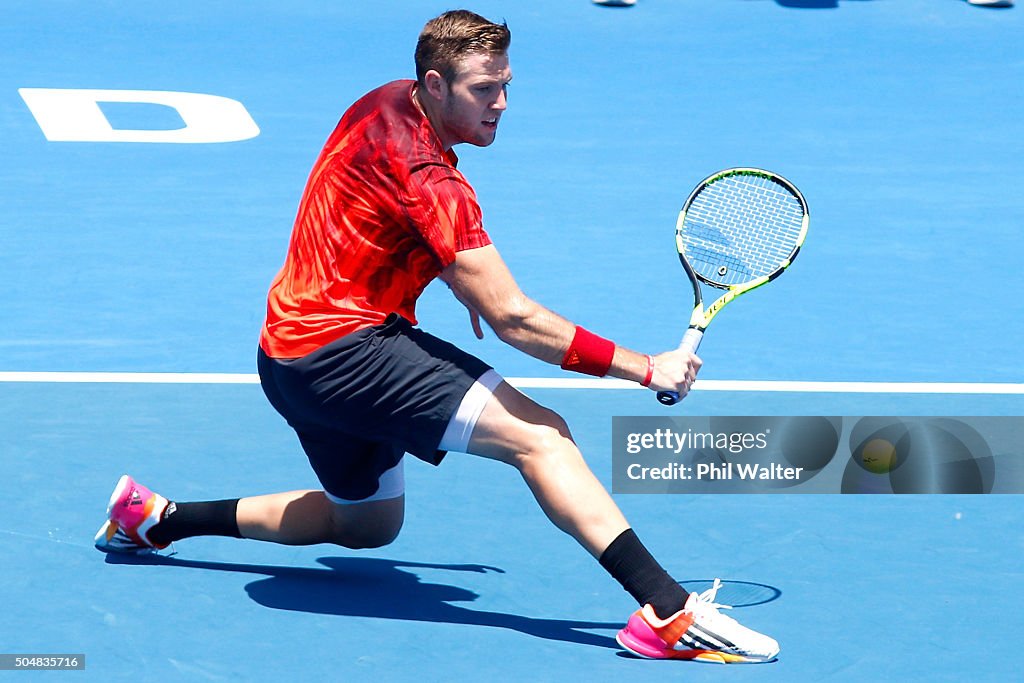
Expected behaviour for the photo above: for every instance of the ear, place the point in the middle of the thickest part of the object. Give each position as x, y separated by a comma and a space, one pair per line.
435, 84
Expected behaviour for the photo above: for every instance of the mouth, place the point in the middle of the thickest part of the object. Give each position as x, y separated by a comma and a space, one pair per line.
491, 123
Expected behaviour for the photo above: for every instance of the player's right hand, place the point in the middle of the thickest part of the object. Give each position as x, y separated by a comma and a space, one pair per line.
675, 371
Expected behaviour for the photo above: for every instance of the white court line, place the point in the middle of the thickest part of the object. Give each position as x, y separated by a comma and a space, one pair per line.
130, 377
548, 383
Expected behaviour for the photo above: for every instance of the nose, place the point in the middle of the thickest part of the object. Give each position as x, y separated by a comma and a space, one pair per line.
501, 104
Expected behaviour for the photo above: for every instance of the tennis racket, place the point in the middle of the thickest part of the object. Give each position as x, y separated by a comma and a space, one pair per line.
739, 229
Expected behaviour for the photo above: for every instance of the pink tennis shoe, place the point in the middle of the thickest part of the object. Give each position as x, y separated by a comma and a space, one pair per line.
698, 632
133, 510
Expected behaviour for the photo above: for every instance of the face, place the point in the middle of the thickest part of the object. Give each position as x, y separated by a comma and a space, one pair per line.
473, 102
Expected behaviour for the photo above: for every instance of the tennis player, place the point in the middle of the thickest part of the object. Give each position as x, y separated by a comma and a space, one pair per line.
386, 211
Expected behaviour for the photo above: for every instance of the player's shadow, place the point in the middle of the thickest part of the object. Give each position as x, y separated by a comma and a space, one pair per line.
383, 589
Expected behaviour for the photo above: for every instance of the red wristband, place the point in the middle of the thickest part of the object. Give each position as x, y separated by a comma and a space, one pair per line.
589, 354
650, 373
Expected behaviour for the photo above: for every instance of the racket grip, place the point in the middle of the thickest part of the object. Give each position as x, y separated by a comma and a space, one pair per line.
691, 342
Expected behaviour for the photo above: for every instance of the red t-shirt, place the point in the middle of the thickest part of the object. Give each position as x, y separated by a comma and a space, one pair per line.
383, 213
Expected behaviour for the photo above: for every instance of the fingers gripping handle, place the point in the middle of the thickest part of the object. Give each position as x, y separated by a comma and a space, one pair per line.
691, 341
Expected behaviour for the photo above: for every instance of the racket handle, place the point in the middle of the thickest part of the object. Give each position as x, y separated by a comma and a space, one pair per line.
691, 342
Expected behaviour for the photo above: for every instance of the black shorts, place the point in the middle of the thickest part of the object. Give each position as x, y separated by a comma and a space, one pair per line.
360, 403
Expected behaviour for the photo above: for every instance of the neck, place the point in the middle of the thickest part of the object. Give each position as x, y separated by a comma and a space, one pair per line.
429, 110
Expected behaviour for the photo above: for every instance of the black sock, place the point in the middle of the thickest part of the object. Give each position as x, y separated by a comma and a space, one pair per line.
184, 520
629, 563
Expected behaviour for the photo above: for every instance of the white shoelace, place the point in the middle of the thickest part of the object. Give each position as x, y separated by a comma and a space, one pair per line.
707, 598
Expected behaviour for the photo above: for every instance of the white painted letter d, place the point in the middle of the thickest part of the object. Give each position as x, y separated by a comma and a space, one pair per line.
75, 116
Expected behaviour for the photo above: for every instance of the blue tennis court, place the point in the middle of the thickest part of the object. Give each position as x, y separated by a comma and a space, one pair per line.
136, 277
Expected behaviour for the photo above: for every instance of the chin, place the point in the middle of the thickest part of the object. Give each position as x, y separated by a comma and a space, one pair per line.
479, 142
478, 138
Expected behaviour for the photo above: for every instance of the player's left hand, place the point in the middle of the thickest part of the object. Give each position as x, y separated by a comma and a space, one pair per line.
474, 320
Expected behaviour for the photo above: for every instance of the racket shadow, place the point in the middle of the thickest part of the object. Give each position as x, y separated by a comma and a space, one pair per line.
736, 594
383, 589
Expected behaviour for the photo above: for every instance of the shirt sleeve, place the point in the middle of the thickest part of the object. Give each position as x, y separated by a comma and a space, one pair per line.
443, 210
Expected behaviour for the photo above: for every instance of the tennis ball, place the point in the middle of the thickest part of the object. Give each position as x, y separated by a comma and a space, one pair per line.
878, 456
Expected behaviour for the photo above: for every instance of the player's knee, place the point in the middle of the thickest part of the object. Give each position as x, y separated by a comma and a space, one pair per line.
547, 442
365, 541
377, 536
363, 531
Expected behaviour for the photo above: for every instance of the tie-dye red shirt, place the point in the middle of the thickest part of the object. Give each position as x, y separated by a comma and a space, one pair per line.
383, 213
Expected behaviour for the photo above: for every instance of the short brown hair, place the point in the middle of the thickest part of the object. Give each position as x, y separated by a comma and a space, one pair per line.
447, 39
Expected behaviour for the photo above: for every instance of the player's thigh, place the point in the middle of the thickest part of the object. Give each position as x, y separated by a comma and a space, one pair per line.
512, 425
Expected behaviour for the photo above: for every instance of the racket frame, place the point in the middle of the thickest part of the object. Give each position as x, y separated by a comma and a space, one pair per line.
701, 317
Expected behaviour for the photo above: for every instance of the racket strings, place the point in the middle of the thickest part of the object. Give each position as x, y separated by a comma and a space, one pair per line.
740, 228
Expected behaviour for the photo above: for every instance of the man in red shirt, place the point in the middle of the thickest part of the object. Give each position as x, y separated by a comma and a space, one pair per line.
385, 212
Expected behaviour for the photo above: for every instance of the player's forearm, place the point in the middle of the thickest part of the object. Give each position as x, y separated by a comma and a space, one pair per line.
545, 335
535, 330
